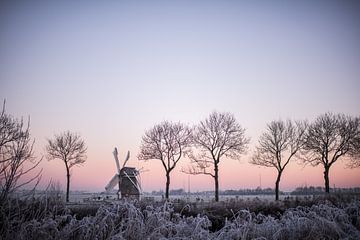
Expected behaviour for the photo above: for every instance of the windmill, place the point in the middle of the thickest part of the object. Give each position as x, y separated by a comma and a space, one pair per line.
126, 178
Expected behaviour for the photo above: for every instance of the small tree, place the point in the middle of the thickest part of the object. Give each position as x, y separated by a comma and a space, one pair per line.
218, 136
331, 137
71, 149
16, 155
278, 145
167, 142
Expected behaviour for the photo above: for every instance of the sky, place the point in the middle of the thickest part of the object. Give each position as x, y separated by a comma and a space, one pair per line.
109, 70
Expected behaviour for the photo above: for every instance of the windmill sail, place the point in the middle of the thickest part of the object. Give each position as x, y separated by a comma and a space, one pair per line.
127, 158
113, 182
115, 152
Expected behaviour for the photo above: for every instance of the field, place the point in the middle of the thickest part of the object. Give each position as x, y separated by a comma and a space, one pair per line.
47, 217
80, 197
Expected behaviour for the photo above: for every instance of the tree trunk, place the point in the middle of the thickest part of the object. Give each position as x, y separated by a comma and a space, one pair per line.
277, 183
326, 177
216, 178
67, 183
167, 185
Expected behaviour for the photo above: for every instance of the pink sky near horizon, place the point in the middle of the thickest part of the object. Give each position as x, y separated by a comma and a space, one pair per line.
234, 174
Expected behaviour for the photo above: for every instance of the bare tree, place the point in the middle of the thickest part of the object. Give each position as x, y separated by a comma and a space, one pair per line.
218, 136
17, 163
71, 149
167, 142
278, 145
354, 159
331, 137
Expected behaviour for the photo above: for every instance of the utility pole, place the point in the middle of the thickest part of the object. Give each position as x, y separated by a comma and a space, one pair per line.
260, 180
189, 184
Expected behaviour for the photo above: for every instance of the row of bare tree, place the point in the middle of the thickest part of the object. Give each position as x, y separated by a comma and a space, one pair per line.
322, 142
18, 166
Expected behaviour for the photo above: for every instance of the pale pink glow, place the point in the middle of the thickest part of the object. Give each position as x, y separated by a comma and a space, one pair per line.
100, 165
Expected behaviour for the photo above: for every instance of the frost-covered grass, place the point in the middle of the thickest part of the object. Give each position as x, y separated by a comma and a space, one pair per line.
48, 219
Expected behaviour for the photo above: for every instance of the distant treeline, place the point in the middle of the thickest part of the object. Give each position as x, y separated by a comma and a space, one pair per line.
311, 190
321, 190
257, 191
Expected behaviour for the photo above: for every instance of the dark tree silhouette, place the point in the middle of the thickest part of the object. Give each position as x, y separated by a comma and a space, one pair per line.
71, 149
167, 142
331, 137
16, 155
218, 136
354, 160
278, 145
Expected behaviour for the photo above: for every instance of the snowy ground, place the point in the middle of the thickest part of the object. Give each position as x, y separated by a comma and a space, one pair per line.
80, 197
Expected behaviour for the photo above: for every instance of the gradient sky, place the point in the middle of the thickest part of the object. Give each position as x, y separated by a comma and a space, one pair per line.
110, 70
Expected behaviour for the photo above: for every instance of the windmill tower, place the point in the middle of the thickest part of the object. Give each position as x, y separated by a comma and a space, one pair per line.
126, 178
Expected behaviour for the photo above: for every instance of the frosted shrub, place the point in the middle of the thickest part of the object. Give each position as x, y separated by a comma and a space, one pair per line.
127, 220
316, 222
163, 223
353, 211
45, 229
247, 225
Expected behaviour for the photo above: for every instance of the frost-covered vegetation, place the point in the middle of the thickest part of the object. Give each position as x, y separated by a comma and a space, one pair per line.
50, 218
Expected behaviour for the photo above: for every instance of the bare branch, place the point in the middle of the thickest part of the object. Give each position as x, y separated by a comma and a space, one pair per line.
197, 170
218, 136
167, 142
70, 148
278, 145
16, 155
332, 137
